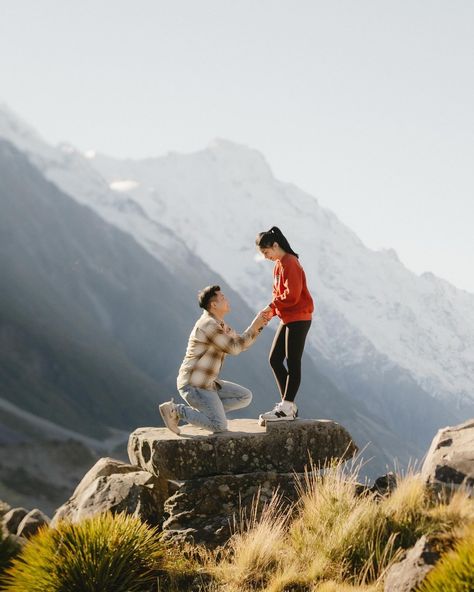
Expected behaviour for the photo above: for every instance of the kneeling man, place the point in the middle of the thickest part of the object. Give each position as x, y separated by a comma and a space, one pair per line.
208, 397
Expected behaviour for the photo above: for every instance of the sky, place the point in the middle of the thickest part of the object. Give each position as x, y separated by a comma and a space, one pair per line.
367, 104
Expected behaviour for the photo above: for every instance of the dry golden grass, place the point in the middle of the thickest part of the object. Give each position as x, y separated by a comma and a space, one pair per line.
336, 539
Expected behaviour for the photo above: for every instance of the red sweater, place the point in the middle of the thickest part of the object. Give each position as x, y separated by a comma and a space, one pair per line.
291, 298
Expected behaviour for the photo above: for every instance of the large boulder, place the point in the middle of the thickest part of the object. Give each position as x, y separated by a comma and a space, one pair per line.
114, 486
449, 462
217, 478
408, 574
207, 510
282, 447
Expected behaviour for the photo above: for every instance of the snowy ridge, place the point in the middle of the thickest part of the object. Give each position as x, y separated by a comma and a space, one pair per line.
213, 203
72, 173
368, 301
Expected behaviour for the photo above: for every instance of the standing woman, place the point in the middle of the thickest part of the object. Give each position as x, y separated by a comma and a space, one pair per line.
293, 304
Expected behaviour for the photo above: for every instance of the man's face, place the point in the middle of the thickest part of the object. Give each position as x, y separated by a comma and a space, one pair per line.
220, 304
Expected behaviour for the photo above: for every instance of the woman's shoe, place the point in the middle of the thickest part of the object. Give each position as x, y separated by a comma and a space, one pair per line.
283, 411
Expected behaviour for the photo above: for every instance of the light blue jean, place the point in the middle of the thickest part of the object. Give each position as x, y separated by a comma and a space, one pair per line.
207, 409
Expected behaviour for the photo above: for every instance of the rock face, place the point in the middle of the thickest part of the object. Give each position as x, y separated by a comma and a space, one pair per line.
282, 447
115, 486
408, 574
449, 462
31, 523
218, 476
12, 518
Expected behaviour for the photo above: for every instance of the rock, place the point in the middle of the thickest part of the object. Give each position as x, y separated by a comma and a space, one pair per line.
385, 484
12, 519
449, 462
114, 486
217, 477
408, 574
31, 523
203, 511
282, 447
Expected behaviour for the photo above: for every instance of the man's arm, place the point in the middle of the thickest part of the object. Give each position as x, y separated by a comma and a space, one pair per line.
232, 343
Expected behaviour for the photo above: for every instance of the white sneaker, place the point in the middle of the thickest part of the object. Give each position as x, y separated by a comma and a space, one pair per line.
169, 413
283, 411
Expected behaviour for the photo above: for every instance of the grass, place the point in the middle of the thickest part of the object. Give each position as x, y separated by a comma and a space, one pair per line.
106, 553
455, 570
335, 538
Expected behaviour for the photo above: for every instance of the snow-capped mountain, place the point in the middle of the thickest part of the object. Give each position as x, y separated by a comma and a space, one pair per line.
368, 303
72, 173
403, 344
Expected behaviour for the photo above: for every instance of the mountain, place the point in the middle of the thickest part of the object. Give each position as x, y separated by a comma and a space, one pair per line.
95, 323
402, 343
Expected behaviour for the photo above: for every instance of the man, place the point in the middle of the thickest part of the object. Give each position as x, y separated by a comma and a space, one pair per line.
208, 397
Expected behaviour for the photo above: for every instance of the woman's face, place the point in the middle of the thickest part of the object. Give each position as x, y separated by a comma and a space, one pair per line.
272, 252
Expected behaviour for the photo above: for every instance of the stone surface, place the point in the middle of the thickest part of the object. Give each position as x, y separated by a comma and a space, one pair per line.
385, 484
204, 510
31, 523
114, 486
282, 447
408, 574
219, 477
449, 462
12, 519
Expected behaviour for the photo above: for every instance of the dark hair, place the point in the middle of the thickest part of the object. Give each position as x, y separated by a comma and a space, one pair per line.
274, 235
206, 295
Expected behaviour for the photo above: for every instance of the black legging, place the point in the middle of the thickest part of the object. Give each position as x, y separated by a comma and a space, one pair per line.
288, 343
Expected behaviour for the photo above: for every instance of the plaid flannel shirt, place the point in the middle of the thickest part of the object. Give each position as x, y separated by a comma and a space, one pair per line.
209, 343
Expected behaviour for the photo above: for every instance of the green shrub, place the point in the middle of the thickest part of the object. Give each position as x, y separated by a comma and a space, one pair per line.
8, 549
105, 553
455, 570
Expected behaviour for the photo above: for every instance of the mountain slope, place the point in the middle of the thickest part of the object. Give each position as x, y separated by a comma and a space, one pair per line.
93, 326
403, 344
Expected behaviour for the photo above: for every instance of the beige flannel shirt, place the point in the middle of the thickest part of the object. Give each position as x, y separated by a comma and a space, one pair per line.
209, 343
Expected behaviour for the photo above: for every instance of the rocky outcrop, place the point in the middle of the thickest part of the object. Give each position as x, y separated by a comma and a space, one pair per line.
282, 447
449, 462
217, 477
408, 574
114, 486
31, 523
11, 520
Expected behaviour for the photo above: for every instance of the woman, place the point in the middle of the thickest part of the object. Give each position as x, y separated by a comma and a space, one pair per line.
293, 304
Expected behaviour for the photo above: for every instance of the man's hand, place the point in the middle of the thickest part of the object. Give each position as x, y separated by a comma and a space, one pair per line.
258, 323
267, 313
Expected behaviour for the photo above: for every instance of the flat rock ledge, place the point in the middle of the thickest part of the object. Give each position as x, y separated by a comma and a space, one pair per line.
282, 447
217, 478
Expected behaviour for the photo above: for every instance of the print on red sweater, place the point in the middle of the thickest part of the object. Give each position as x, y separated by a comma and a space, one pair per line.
291, 298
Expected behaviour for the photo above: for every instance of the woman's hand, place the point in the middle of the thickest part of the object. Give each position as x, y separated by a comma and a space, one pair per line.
267, 313
259, 322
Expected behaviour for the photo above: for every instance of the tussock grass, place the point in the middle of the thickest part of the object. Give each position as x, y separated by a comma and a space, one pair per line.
455, 570
107, 553
9, 547
336, 538
254, 551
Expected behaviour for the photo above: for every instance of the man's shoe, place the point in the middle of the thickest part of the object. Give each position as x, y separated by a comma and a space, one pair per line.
283, 411
169, 413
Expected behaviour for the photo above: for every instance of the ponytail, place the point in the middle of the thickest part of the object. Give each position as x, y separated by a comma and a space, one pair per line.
274, 235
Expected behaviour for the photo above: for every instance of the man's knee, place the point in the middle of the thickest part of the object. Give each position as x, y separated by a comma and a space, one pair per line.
246, 397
